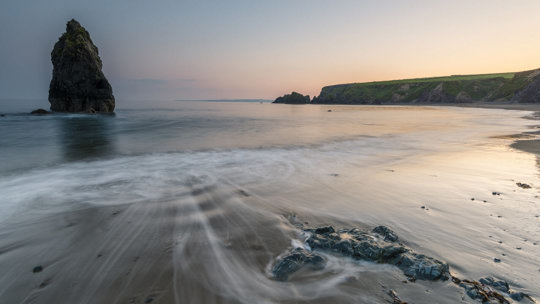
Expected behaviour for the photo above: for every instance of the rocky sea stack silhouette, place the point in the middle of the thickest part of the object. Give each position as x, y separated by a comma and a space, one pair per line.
78, 84
293, 98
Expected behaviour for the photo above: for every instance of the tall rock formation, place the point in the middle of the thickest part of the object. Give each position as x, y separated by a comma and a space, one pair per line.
78, 84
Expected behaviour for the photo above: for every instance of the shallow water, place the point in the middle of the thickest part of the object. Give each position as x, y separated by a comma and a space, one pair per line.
192, 201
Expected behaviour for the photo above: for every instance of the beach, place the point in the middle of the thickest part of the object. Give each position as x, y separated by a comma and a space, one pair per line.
194, 202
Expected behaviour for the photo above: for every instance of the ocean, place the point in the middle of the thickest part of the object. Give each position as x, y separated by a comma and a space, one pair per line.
193, 202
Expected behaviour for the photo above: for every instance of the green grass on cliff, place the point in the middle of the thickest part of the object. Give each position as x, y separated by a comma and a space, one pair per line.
455, 88
440, 79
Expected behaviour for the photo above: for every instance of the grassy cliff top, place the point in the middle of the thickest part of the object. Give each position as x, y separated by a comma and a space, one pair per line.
455, 88
438, 79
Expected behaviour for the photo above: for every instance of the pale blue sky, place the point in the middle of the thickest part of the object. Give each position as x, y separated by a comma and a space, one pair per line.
261, 49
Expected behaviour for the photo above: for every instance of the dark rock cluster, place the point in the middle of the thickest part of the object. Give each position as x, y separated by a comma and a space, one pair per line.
78, 83
293, 98
381, 245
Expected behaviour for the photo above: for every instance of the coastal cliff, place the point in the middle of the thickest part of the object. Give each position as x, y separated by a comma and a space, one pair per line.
521, 87
78, 83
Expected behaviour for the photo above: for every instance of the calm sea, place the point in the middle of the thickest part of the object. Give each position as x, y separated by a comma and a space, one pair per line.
364, 165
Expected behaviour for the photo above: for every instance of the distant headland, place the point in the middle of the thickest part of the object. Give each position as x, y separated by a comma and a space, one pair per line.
520, 87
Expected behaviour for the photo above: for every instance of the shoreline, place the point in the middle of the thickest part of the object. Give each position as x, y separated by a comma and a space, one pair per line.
211, 236
526, 141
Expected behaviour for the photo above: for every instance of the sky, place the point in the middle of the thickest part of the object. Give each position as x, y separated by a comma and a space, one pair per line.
231, 49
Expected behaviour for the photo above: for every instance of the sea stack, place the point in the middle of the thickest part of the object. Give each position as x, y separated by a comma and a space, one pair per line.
78, 84
293, 98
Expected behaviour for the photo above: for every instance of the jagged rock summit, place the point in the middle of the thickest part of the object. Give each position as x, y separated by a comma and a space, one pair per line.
78, 84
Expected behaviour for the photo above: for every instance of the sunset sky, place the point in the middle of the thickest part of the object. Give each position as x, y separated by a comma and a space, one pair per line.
201, 49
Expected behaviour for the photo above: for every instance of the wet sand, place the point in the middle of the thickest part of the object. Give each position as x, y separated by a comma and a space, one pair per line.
212, 238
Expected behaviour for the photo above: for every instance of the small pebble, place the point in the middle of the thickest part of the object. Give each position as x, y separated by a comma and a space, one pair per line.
37, 269
524, 186
496, 260
518, 296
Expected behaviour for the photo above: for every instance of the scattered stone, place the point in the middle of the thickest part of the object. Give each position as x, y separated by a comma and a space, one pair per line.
329, 111
78, 83
523, 186
45, 283
518, 296
472, 198
410, 278
394, 297
496, 260
149, 300
294, 260
40, 112
495, 193
497, 284
491, 290
243, 193
37, 269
